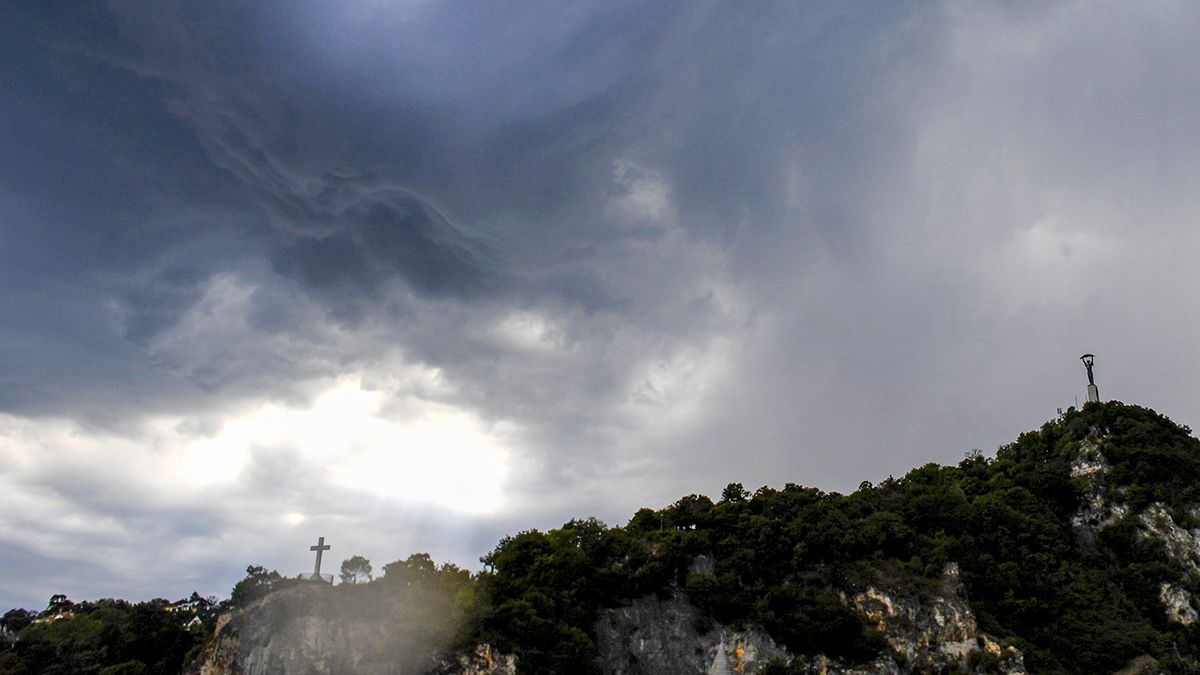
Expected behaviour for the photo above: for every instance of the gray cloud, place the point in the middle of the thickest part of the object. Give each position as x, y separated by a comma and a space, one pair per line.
633, 251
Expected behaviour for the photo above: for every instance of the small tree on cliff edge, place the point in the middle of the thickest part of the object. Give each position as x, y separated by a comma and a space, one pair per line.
258, 583
356, 570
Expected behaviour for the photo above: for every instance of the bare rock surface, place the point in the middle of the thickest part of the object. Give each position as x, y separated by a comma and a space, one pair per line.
930, 632
1103, 506
311, 629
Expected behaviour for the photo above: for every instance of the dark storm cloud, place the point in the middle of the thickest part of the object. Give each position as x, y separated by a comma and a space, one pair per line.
520, 127
101, 187
383, 235
647, 248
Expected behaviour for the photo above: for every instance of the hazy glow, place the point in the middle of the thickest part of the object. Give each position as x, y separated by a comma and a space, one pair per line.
646, 198
294, 518
422, 452
445, 457
427, 452
530, 331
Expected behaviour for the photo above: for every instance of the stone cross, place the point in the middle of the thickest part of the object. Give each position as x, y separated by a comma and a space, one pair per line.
320, 548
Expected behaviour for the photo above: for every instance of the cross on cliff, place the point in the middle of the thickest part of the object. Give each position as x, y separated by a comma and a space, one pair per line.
320, 548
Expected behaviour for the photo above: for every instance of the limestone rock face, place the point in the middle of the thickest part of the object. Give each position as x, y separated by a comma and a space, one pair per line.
310, 630
671, 637
1179, 604
934, 632
484, 660
1183, 549
293, 631
1103, 506
1183, 545
1098, 509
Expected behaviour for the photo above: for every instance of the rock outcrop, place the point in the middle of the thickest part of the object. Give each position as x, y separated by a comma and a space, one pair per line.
483, 660
929, 632
934, 631
1103, 506
311, 629
672, 637
308, 629
1183, 550
1098, 509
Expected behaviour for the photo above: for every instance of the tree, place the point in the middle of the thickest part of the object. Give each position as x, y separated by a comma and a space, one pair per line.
58, 603
416, 569
16, 619
734, 492
356, 570
258, 583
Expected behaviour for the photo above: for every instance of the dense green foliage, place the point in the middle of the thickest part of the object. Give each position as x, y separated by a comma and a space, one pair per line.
1075, 607
356, 570
257, 584
780, 555
426, 607
778, 558
108, 637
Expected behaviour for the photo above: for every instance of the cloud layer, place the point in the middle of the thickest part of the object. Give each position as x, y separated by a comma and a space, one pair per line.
412, 276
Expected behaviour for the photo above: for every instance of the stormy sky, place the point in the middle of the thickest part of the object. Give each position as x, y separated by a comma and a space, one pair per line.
413, 275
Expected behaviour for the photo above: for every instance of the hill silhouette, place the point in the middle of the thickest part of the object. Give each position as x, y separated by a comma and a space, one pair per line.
1075, 548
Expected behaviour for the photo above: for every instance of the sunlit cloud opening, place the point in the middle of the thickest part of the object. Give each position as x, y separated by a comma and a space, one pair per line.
529, 331
413, 451
421, 451
437, 455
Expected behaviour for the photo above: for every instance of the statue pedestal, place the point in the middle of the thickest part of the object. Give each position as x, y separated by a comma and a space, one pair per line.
1093, 394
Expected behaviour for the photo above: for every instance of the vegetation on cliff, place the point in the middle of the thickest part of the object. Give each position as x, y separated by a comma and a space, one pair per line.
109, 637
779, 557
783, 558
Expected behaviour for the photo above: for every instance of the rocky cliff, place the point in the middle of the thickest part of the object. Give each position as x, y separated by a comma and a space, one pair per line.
1104, 506
309, 629
312, 629
934, 631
